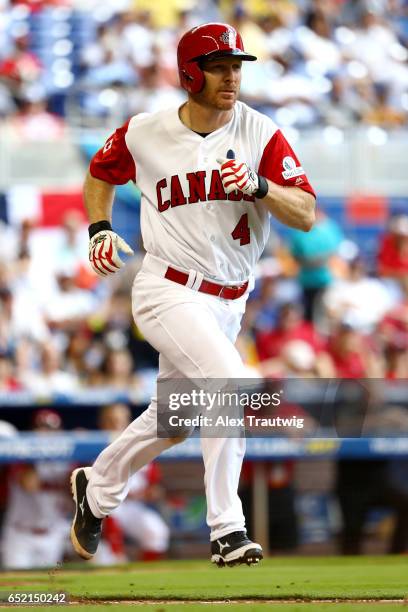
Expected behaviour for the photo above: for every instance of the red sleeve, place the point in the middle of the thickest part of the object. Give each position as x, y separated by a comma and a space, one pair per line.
114, 163
280, 164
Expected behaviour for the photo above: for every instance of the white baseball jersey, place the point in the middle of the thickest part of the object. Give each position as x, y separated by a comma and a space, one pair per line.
186, 217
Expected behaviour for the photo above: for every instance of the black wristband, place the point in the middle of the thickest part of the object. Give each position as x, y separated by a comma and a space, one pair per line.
94, 228
263, 188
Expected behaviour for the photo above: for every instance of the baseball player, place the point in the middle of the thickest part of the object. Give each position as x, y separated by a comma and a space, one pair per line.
36, 524
211, 173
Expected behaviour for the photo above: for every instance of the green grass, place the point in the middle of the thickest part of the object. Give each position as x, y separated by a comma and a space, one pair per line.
277, 578
236, 607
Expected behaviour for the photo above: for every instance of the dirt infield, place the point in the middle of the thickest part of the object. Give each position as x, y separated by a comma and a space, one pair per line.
230, 605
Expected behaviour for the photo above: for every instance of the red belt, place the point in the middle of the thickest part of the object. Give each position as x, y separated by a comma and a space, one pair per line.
227, 292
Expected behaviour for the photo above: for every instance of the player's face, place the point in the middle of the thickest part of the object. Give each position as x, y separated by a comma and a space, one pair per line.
222, 83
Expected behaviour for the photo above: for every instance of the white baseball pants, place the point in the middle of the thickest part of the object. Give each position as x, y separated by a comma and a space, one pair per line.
195, 335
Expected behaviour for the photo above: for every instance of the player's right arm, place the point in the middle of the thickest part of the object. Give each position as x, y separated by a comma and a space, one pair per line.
98, 198
112, 165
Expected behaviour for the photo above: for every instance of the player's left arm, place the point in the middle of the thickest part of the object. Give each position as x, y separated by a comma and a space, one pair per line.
291, 205
280, 183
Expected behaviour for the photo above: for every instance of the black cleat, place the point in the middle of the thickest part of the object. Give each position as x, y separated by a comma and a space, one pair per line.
235, 548
86, 528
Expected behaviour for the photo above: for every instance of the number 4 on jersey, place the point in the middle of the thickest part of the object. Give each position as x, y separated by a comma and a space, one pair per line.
241, 231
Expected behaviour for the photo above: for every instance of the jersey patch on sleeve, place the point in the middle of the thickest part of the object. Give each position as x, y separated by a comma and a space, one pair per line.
291, 169
280, 164
113, 163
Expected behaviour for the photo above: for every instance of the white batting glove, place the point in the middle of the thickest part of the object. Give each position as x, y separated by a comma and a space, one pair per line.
104, 250
238, 175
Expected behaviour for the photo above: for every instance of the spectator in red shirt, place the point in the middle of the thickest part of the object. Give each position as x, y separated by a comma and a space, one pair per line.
21, 68
352, 354
393, 253
298, 360
291, 326
393, 331
396, 357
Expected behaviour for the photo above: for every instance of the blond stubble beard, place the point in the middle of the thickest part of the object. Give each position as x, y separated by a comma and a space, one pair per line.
203, 100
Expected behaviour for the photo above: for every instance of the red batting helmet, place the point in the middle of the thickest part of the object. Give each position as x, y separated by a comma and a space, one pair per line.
207, 40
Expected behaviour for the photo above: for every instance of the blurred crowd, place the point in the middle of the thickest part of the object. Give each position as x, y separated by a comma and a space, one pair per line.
61, 329
318, 310
321, 62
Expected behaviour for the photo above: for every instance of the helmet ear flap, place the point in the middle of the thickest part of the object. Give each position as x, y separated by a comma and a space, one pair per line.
192, 77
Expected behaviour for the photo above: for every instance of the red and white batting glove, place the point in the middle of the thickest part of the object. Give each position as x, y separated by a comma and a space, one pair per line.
238, 175
104, 247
